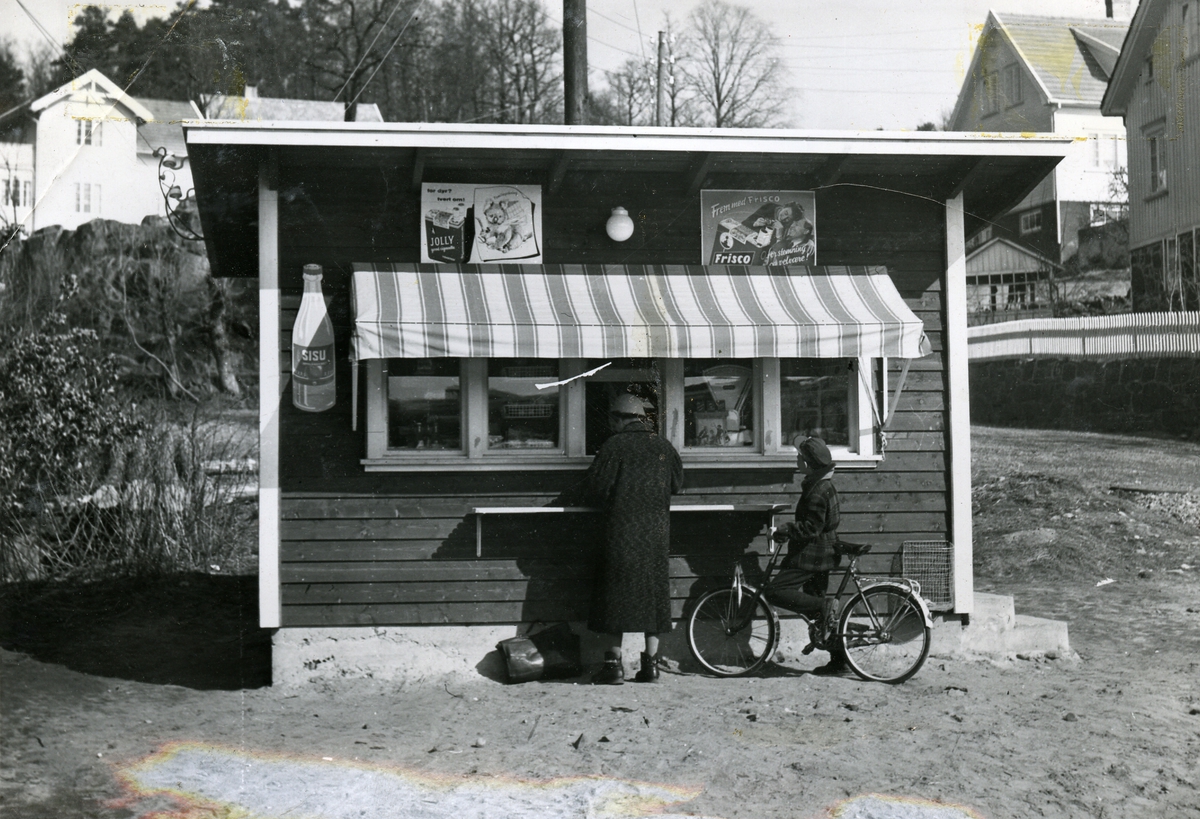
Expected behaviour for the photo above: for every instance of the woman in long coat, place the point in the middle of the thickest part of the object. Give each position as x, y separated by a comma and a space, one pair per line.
632, 478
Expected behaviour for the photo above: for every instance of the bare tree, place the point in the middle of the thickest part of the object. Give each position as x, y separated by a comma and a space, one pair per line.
732, 70
631, 88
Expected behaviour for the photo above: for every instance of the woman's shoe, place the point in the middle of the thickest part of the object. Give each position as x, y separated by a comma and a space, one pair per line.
649, 669
611, 673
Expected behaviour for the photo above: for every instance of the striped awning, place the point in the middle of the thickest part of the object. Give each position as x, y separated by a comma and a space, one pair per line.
630, 311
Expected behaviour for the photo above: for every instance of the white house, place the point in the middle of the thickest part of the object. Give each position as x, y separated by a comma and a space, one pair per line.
93, 155
16, 179
1048, 74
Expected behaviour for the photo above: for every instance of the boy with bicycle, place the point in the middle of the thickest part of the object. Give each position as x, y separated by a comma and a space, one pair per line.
804, 574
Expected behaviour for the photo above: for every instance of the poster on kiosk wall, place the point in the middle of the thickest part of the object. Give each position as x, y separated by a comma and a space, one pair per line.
758, 228
481, 224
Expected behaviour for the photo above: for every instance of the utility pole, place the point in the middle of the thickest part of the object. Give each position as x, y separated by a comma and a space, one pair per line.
575, 90
660, 99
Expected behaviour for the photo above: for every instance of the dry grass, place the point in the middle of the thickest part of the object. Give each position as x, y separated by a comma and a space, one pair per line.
179, 498
1050, 504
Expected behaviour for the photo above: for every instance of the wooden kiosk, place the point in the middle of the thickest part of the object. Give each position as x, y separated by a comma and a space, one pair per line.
395, 533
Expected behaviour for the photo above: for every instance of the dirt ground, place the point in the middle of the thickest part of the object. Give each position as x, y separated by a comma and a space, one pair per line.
137, 701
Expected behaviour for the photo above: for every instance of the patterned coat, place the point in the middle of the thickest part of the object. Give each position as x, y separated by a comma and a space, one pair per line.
632, 478
811, 538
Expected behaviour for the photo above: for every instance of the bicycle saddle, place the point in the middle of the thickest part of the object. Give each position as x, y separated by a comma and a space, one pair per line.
852, 549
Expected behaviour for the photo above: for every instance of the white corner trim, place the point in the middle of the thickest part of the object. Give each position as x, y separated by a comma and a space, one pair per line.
269, 373
958, 399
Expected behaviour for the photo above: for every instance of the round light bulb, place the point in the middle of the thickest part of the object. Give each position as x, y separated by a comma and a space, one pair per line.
619, 226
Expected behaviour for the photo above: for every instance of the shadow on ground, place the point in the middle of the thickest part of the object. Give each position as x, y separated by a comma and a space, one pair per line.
191, 630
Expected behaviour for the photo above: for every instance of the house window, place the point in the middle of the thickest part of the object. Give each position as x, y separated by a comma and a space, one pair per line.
989, 92
641, 376
87, 197
1012, 85
1103, 150
1150, 68
816, 399
718, 403
520, 416
489, 413
424, 404
26, 193
87, 132
1158, 162
1031, 222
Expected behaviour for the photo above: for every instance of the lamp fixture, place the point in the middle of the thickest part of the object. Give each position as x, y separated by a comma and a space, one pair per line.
619, 226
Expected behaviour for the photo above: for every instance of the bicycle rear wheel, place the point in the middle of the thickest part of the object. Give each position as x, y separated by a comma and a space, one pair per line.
732, 634
884, 634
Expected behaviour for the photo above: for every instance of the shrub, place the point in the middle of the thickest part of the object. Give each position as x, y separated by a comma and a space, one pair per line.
61, 410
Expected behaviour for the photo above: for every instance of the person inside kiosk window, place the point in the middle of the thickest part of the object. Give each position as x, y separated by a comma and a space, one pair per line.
632, 478
811, 539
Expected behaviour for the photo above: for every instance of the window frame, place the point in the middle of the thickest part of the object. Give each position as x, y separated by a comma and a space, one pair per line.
1157, 161
1027, 220
1011, 85
867, 398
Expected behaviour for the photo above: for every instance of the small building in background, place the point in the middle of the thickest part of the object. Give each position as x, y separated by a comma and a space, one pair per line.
1007, 281
1155, 88
90, 150
1047, 75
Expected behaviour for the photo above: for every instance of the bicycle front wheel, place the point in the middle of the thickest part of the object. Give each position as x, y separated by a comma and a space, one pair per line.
884, 634
732, 634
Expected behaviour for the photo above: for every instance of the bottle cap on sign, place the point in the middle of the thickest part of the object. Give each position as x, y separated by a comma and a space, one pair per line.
312, 271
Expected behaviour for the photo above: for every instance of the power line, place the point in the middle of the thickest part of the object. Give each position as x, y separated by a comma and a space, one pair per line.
379, 33
387, 53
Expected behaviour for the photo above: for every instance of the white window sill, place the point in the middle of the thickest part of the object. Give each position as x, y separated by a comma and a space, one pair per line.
544, 463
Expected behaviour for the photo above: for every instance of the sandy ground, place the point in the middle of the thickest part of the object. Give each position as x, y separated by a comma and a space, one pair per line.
161, 712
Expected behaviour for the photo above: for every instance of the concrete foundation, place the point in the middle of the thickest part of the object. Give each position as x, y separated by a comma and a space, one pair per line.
997, 631
301, 656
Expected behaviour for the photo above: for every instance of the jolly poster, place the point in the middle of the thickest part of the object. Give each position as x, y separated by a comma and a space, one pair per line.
758, 228
481, 224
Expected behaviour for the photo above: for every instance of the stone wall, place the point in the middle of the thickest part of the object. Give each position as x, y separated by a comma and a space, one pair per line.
1150, 395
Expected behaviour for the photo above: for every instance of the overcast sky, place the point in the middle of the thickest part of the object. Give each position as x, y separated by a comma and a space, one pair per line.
856, 64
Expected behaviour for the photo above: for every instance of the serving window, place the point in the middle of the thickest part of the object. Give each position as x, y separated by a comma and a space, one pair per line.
511, 413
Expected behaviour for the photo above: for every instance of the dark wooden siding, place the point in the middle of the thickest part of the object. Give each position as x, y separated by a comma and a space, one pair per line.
395, 548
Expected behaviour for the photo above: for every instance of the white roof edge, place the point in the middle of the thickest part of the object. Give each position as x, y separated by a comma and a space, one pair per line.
1020, 248
114, 90
610, 138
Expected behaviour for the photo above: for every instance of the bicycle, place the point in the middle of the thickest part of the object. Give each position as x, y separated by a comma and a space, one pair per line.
885, 627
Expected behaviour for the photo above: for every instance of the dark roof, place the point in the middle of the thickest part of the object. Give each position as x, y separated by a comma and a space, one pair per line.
1071, 58
165, 129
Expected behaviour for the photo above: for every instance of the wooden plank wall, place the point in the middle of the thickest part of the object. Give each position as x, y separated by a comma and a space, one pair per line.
399, 549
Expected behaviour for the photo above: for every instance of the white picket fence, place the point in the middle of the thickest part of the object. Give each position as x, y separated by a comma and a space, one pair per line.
1130, 335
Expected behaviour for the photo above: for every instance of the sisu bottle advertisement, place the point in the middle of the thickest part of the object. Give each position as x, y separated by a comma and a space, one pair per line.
758, 228
314, 385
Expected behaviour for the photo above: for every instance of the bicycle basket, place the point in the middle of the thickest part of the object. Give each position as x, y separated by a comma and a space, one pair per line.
931, 564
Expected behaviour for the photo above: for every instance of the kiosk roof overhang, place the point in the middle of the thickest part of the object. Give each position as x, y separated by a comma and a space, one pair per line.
993, 172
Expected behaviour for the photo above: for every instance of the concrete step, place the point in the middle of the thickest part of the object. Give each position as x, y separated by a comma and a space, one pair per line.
996, 630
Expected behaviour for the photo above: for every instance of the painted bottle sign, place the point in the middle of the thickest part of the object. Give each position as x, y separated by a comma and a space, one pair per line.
313, 382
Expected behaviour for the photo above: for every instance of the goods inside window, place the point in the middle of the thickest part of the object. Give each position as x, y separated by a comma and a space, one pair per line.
424, 398
520, 416
640, 376
815, 398
718, 400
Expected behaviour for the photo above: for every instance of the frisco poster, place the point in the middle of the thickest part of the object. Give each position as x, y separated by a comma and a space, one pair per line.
758, 228
481, 224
